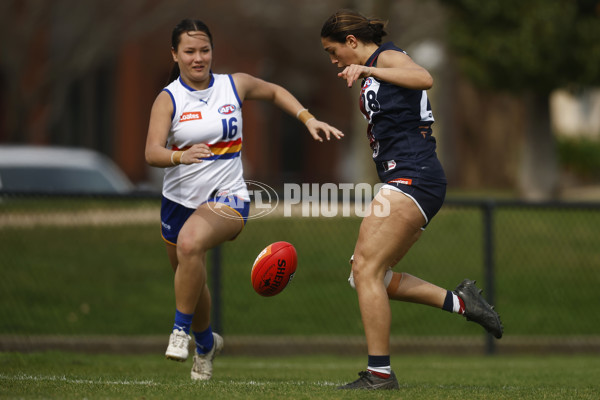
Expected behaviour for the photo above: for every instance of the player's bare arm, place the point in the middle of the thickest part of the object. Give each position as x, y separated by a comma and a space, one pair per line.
156, 153
392, 67
253, 88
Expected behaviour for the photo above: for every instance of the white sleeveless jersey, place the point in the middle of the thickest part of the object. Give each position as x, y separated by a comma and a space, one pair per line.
212, 116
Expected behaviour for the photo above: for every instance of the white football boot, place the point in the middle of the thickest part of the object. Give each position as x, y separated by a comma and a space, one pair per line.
178, 345
202, 368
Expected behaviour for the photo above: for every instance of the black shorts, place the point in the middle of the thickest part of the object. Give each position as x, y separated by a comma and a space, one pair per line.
428, 195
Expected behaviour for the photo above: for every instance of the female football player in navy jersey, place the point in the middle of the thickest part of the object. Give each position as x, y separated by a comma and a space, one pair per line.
195, 134
394, 102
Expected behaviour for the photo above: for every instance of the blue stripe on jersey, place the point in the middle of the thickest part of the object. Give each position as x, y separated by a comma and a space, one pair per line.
235, 90
172, 101
191, 89
226, 156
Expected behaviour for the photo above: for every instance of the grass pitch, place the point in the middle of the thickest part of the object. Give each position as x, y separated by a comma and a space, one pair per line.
76, 376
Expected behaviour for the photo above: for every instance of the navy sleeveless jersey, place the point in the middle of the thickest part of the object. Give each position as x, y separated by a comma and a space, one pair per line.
399, 130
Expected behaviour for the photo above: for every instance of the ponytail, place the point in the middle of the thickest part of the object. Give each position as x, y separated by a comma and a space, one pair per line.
174, 73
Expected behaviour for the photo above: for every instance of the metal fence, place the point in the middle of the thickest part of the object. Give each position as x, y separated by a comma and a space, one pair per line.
539, 263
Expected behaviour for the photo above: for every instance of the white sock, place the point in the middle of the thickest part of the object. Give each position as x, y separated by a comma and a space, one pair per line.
382, 370
456, 306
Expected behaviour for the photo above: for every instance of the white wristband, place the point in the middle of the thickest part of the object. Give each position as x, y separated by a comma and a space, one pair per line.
298, 113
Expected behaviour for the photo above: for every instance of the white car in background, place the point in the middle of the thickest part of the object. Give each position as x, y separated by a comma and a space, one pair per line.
64, 170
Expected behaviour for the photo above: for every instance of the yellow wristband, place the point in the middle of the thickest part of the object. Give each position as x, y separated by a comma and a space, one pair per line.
304, 116
176, 157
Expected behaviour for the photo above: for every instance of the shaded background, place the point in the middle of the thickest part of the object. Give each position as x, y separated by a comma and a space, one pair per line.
515, 97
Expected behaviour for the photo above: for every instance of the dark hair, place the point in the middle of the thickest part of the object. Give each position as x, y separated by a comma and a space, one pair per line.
349, 22
184, 26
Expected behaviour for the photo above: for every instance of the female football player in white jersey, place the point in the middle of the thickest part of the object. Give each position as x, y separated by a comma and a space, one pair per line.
394, 102
195, 134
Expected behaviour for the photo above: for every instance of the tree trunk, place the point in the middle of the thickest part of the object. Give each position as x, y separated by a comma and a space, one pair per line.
484, 130
538, 180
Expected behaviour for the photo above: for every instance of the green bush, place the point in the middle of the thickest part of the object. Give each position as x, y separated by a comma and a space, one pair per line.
581, 156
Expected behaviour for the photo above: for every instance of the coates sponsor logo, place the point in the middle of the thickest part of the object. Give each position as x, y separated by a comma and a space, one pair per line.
403, 181
190, 116
227, 109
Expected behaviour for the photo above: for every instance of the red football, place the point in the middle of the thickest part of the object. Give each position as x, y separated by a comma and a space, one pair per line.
274, 268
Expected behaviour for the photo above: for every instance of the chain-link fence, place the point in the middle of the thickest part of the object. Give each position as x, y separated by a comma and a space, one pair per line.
83, 266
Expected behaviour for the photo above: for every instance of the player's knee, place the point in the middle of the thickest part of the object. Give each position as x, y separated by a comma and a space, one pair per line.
391, 280
188, 247
355, 273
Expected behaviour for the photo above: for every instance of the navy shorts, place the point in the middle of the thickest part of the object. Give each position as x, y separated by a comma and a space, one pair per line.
173, 215
428, 195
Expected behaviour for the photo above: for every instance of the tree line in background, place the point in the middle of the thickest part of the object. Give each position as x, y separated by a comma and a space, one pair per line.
502, 60
528, 49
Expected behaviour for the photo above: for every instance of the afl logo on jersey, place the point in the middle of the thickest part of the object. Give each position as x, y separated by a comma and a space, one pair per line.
368, 83
227, 109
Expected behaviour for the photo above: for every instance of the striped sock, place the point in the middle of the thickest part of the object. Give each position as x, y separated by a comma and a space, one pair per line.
453, 303
380, 366
458, 305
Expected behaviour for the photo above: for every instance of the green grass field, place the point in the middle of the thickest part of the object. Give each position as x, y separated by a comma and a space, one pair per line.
79, 278
72, 277
58, 375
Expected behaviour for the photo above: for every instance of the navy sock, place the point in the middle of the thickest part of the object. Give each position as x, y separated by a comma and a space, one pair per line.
448, 302
183, 321
204, 341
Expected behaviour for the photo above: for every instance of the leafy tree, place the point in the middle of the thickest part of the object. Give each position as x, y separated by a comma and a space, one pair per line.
529, 48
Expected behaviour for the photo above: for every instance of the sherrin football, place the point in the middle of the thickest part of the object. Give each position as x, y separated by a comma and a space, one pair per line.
274, 268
